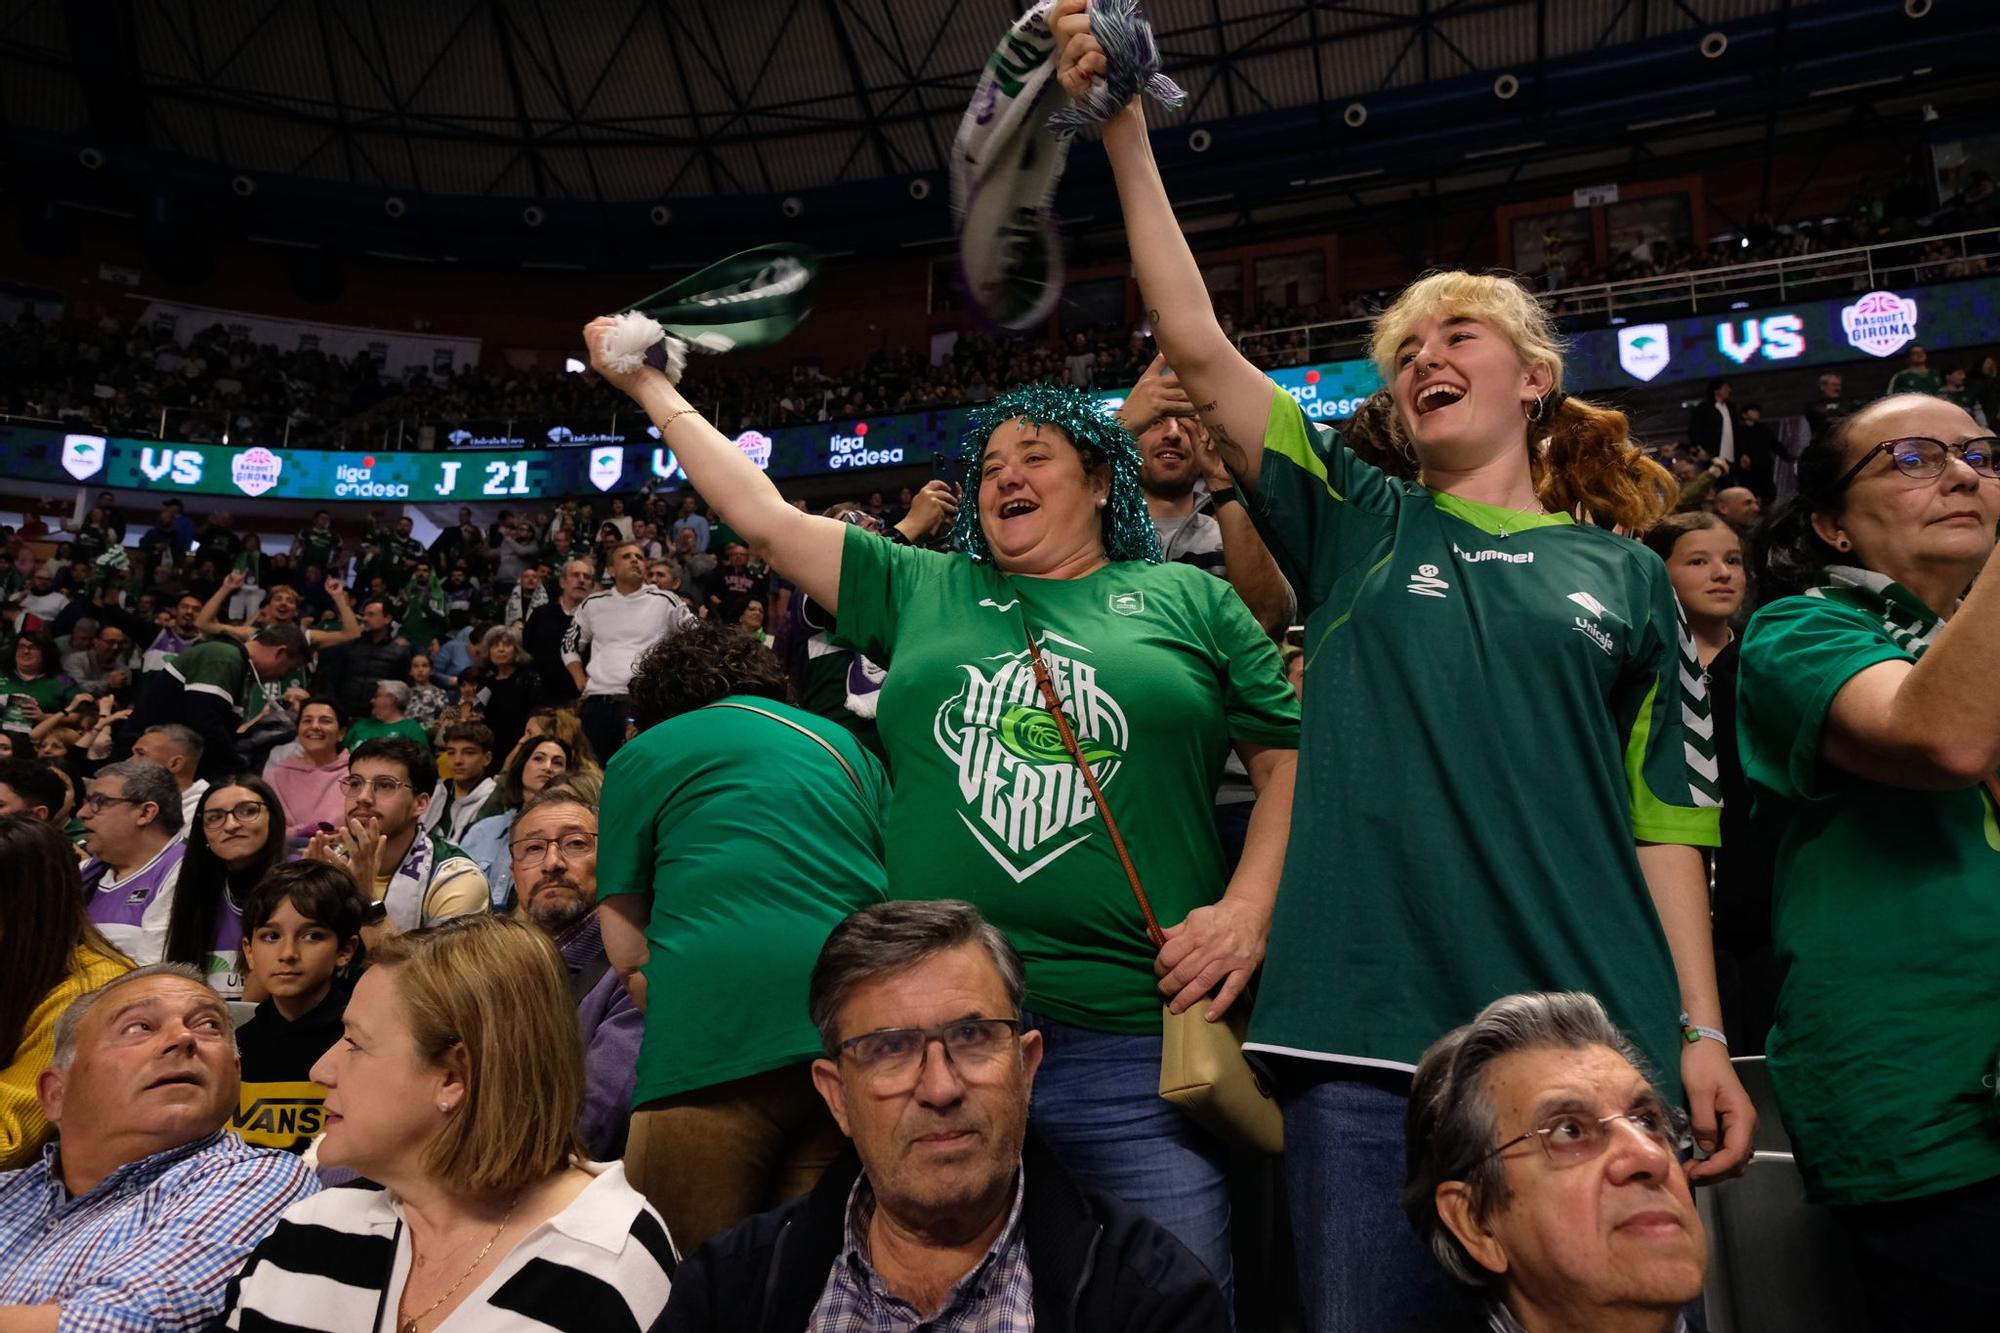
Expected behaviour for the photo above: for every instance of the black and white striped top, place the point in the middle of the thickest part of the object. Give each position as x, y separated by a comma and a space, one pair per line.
337, 1261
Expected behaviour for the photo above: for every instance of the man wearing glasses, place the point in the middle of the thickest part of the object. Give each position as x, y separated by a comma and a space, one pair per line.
132, 826
408, 878
952, 1217
553, 846
1544, 1173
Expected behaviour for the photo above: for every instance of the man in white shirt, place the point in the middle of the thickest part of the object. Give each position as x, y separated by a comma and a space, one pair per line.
177, 749
616, 626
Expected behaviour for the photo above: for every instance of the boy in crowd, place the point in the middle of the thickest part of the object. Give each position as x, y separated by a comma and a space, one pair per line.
301, 931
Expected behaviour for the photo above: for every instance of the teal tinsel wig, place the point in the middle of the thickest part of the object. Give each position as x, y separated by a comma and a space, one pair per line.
1128, 527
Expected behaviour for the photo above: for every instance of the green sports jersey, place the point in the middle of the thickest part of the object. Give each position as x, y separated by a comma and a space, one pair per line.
218, 667
1885, 916
754, 845
1160, 668
50, 693
365, 729
316, 548
1498, 708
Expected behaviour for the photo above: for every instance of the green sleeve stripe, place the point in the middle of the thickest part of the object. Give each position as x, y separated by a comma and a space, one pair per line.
1287, 435
1654, 820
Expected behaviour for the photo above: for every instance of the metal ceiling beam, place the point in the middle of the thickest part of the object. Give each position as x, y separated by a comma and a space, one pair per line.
502, 33
887, 163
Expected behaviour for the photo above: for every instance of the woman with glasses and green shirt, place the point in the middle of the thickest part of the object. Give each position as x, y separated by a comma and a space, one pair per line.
1870, 732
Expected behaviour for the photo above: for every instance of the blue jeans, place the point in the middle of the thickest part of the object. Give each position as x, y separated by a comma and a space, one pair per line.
1362, 1268
1097, 1106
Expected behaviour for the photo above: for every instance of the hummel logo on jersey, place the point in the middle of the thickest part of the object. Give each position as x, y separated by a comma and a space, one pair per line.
1589, 603
1481, 557
1426, 583
988, 601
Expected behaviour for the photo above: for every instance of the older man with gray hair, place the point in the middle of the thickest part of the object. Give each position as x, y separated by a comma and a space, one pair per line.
138, 1215
177, 749
1544, 1172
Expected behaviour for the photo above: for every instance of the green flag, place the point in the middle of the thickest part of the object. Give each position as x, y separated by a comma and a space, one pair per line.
750, 299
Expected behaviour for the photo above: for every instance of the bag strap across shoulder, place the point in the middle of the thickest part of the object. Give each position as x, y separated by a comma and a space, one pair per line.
1054, 705
810, 734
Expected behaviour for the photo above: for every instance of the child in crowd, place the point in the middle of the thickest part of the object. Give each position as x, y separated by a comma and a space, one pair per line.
302, 931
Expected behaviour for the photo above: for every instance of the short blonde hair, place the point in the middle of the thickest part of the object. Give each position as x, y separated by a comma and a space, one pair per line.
1582, 457
1500, 303
488, 997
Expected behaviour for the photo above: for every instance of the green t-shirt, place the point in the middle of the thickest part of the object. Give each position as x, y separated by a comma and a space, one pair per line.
1885, 916
1498, 708
365, 729
316, 548
50, 693
1160, 668
754, 844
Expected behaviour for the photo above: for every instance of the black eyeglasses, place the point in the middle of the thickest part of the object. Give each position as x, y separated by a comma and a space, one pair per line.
94, 802
1921, 457
245, 811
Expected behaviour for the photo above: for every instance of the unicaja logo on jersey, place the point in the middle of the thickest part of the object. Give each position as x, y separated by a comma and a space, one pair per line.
1426, 583
1880, 323
1590, 629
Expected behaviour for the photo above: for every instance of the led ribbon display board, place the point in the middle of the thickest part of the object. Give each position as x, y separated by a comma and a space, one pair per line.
1879, 324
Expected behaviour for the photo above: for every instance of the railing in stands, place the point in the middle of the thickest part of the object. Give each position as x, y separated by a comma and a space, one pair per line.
1906, 263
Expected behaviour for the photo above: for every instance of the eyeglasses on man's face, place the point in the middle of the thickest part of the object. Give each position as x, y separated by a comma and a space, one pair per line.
96, 801
1571, 1138
245, 811
573, 846
354, 786
893, 1058
1923, 458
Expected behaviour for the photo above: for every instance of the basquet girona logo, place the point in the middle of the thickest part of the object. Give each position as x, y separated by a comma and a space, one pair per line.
1880, 323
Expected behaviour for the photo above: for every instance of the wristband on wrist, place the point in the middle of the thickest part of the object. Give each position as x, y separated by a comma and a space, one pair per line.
1692, 1032
1219, 496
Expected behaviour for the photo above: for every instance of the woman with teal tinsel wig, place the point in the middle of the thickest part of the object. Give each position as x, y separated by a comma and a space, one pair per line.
1162, 671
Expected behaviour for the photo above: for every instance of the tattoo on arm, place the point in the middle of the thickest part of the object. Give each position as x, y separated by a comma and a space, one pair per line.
1232, 452
1207, 408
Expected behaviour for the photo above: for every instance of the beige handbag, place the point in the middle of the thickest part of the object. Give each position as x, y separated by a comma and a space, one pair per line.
1202, 1068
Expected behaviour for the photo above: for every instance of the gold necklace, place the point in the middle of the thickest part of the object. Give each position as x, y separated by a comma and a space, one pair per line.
410, 1325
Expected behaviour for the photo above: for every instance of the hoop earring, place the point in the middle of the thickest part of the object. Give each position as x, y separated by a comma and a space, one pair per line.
1536, 412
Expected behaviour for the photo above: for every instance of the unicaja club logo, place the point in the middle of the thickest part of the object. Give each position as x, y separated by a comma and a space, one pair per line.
1643, 350
255, 470
1880, 323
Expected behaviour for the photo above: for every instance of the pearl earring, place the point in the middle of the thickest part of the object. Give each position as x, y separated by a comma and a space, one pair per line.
445, 1107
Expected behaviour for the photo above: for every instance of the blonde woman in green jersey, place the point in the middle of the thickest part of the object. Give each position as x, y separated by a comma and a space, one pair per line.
1507, 774
1163, 672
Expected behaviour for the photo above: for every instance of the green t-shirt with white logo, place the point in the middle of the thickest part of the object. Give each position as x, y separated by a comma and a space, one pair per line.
1159, 668
1498, 708
218, 667
1885, 916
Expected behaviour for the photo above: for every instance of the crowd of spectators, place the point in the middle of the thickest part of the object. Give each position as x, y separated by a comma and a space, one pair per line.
108, 377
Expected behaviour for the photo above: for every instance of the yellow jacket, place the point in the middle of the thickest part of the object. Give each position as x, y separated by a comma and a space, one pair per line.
23, 1128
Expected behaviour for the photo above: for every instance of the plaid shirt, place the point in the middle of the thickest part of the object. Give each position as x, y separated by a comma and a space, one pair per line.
154, 1245
997, 1296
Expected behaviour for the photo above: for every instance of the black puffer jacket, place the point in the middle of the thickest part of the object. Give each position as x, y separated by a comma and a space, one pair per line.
1098, 1266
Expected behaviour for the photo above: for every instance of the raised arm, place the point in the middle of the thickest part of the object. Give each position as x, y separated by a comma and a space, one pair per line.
343, 606
1907, 724
805, 548
1231, 396
209, 619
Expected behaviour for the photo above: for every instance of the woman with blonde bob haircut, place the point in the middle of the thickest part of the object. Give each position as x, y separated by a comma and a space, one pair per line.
456, 1086
1507, 764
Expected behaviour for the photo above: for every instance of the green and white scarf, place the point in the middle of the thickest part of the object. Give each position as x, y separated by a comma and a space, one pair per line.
1008, 156
750, 299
